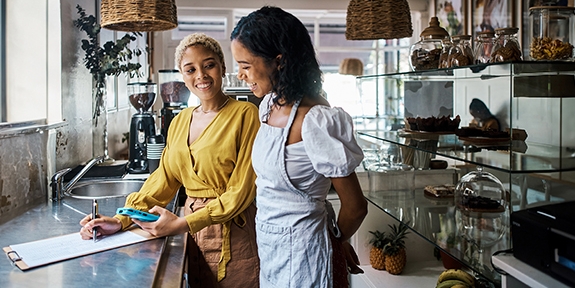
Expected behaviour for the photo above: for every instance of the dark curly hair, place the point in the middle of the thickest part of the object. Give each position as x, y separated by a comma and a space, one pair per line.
271, 31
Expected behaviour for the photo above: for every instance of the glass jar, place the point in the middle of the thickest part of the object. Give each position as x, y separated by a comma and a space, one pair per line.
425, 52
173, 90
485, 43
142, 95
552, 28
461, 53
506, 46
447, 44
391, 181
482, 208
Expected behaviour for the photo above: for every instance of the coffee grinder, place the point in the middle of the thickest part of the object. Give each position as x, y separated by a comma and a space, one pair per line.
175, 96
142, 126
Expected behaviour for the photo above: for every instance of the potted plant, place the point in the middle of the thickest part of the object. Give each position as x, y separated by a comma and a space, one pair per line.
112, 58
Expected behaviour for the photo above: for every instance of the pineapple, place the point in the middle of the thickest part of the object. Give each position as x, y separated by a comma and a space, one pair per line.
394, 249
376, 256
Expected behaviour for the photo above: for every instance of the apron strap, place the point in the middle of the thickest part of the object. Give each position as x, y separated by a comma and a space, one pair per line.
291, 118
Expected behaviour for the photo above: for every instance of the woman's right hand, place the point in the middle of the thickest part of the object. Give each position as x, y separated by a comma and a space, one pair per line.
106, 226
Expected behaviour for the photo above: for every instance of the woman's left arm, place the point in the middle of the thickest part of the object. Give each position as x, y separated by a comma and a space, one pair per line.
353, 207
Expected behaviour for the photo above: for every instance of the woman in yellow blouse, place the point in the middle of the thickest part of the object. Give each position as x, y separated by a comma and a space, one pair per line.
208, 151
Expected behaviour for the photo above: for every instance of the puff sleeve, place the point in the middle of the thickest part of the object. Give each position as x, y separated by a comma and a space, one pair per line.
329, 141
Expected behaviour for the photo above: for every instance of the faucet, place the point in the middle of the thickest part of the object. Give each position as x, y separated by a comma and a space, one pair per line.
58, 187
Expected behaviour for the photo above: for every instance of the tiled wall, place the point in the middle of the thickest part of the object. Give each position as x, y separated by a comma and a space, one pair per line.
28, 160
29, 157
23, 173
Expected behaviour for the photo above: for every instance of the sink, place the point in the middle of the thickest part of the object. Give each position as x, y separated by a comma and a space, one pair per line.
100, 189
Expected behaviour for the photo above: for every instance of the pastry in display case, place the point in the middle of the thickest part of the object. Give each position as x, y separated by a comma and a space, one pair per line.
482, 207
425, 53
484, 46
461, 54
432, 124
447, 44
506, 48
525, 97
439, 191
552, 28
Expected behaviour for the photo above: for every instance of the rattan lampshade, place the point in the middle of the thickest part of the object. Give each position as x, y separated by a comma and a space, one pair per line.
138, 15
378, 19
351, 66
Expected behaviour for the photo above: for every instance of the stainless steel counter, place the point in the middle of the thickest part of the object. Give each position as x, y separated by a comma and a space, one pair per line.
154, 263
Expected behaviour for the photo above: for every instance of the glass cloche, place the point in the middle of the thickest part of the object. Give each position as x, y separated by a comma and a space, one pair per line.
482, 208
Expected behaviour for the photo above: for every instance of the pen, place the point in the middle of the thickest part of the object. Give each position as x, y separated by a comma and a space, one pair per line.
94, 216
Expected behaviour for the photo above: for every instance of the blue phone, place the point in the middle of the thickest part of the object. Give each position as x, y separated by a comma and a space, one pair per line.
137, 214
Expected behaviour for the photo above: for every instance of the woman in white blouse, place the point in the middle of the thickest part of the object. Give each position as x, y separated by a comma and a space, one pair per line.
303, 148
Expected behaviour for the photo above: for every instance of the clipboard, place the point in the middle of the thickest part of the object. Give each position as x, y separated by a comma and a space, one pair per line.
56, 249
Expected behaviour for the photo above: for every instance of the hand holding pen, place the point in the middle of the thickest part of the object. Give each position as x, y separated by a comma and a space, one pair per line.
104, 225
94, 216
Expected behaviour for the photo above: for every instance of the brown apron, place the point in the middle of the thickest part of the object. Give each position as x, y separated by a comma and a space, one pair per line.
204, 249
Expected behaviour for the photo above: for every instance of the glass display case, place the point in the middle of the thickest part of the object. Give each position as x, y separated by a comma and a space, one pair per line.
532, 155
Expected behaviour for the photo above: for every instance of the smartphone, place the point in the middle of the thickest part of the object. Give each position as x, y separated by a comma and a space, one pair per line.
137, 214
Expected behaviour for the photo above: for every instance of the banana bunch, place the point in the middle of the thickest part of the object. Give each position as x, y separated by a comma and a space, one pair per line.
455, 278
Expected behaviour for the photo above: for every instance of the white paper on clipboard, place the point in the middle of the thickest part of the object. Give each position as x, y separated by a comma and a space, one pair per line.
38, 253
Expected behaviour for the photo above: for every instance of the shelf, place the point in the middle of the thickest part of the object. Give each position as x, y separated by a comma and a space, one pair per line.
537, 97
536, 158
531, 78
434, 220
524, 273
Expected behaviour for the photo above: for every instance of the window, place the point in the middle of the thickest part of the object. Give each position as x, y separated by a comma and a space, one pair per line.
378, 56
327, 31
21, 87
213, 26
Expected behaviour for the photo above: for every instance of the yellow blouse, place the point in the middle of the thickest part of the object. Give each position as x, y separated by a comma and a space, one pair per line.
217, 165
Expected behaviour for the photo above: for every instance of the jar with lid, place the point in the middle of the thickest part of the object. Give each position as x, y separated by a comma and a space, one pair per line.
447, 44
481, 208
506, 46
425, 52
485, 43
552, 28
461, 53
390, 177
173, 90
391, 181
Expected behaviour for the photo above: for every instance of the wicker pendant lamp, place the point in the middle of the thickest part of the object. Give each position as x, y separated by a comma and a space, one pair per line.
351, 66
138, 15
378, 19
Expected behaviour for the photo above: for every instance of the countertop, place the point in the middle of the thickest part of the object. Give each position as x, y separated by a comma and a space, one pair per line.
153, 263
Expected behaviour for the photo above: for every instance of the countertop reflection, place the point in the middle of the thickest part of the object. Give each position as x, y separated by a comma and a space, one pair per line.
138, 265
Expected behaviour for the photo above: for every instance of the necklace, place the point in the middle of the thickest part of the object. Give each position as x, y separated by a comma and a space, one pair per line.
214, 110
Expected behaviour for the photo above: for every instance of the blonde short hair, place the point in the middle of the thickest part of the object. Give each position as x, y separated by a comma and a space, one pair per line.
198, 39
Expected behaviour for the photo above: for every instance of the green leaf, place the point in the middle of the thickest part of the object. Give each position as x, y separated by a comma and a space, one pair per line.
110, 58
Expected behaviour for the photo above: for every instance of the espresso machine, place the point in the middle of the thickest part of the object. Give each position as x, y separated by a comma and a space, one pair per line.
142, 126
175, 96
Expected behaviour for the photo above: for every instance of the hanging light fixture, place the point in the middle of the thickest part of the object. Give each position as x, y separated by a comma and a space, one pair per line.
138, 15
351, 66
378, 19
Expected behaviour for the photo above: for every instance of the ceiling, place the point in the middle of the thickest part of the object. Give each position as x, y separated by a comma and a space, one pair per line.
416, 5
326, 11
